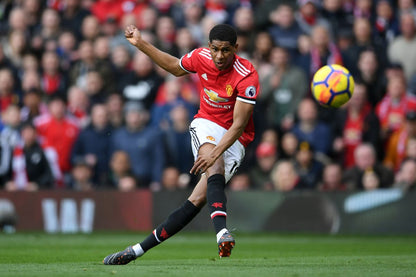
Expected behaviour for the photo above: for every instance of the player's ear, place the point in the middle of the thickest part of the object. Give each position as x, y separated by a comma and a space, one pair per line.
236, 47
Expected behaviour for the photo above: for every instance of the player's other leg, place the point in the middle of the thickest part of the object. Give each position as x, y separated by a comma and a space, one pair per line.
172, 224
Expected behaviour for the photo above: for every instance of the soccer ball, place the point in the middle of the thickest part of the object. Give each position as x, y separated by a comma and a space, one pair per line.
332, 86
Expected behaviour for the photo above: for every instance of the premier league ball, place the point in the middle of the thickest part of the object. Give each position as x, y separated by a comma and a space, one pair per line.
332, 86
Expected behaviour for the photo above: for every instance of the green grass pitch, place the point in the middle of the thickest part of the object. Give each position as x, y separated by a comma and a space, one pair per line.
195, 254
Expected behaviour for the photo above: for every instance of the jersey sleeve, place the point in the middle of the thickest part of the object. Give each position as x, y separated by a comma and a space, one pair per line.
187, 62
249, 88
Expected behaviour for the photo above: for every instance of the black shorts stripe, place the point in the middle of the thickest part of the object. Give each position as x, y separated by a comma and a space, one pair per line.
234, 168
194, 138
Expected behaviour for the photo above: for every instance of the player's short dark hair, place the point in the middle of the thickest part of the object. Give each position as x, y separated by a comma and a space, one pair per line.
223, 32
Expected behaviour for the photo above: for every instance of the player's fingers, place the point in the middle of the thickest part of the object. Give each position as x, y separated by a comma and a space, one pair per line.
197, 167
129, 30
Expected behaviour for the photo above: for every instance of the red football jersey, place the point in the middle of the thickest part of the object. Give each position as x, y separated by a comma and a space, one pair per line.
220, 89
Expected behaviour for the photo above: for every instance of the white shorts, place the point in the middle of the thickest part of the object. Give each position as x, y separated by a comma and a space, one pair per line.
205, 131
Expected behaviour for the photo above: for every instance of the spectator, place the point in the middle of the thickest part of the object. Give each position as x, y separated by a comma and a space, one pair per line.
53, 81
333, 11
95, 88
93, 144
184, 41
30, 63
367, 173
403, 48
165, 35
81, 176
104, 9
411, 148
261, 54
332, 178
109, 29
392, 109
169, 96
217, 9
284, 176
310, 129
5, 63
30, 80
120, 60
355, 124
10, 131
114, 105
143, 144
285, 30
147, 19
406, 6
33, 11
193, 12
9, 138
386, 26
30, 166
240, 182
8, 93
90, 28
370, 74
243, 20
177, 140
71, 16
17, 21
323, 50
364, 41
406, 177
59, 131
143, 82
48, 30
16, 47
307, 167
396, 149
289, 145
260, 174
66, 50
32, 105
88, 62
78, 105
364, 9
171, 179
120, 167
283, 89
119, 38
308, 16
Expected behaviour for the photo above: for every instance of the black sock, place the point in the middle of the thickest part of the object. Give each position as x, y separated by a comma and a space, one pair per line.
217, 201
173, 224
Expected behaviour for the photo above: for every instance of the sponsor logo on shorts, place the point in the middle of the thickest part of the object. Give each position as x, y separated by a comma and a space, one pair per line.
210, 138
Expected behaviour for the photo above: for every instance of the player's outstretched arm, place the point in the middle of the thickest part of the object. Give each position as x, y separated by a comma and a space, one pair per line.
163, 59
241, 116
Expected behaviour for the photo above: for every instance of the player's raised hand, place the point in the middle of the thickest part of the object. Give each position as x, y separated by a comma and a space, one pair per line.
133, 35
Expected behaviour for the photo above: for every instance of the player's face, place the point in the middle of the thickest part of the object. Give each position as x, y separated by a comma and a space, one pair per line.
222, 53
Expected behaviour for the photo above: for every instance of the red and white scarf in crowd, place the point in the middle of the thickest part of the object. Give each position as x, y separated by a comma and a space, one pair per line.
333, 58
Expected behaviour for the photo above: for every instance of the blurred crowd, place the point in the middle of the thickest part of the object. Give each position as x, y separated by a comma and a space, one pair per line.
81, 109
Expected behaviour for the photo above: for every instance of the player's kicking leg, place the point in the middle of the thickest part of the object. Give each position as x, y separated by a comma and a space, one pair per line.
173, 224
